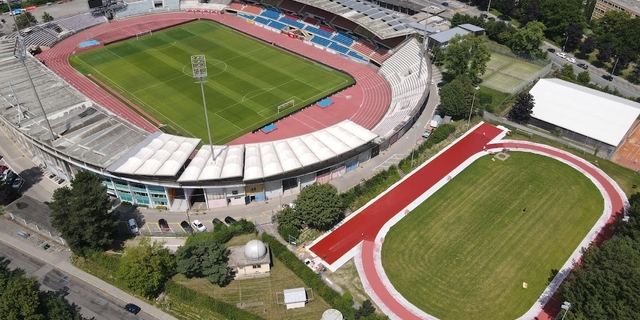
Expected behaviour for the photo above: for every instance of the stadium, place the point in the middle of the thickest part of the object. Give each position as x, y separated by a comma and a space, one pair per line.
75, 121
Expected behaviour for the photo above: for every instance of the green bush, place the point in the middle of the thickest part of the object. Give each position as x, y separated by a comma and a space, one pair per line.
286, 231
183, 295
438, 135
310, 278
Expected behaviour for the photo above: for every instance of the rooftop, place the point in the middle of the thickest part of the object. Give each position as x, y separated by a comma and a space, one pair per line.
445, 36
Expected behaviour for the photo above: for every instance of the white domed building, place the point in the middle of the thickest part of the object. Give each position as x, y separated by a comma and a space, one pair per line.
251, 260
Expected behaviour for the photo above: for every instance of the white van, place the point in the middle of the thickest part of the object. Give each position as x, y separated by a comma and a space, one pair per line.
133, 226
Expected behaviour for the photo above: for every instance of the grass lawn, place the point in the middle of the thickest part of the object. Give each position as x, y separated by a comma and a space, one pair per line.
465, 252
247, 79
260, 290
505, 73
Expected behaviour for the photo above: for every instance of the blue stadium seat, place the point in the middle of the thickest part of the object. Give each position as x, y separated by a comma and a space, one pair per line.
277, 25
321, 41
272, 14
246, 16
293, 23
262, 20
319, 31
337, 47
343, 39
357, 55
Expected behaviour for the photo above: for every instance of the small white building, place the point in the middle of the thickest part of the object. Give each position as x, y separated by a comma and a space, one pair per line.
250, 261
295, 298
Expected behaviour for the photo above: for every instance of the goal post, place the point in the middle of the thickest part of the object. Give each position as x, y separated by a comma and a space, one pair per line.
286, 105
144, 33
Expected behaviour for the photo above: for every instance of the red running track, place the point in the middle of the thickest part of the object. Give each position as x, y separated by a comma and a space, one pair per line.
377, 214
365, 103
370, 219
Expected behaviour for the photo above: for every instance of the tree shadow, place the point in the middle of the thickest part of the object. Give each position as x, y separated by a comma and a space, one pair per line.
31, 177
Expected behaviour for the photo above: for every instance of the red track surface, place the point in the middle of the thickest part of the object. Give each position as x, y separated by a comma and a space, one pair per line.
371, 219
364, 103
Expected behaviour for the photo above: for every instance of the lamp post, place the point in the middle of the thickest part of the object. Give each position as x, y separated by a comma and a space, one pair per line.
565, 306
565, 42
615, 65
489, 6
415, 138
199, 68
472, 102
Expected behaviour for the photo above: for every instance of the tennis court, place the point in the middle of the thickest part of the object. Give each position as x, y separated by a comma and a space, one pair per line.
504, 73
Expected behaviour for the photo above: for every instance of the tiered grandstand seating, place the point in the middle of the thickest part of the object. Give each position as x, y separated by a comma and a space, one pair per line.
271, 14
321, 41
81, 22
246, 15
327, 16
311, 21
253, 9
291, 22
135, 9
291, 6
262, 20
343, 39
276, 25
339, 21
337, 47
38, 36
408, 85
172, 5
273, 3
318, 31
236, 6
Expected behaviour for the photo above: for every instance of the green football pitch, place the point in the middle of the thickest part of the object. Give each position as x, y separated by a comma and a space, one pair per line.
247, 79
466, 251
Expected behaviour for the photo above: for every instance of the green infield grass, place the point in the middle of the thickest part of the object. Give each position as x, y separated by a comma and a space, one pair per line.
247, 79
466, 251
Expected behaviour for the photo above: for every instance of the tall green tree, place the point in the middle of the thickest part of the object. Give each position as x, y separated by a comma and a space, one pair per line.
81, 214
528, 39
20, 300
523, 108
145, 268
584, 78
558, 15
588, 45
456, 97
46, 17
25, 20
566, 72
574, 37
467, 55
204, 258
319, 205
529, 11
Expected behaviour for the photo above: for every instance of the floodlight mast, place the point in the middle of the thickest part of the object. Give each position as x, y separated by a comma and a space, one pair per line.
199, 68
21, 54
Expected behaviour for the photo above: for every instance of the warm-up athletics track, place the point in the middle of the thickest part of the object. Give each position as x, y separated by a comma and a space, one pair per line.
370, 224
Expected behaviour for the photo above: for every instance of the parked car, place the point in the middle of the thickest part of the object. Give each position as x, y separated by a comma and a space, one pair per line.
198, 225
446, 4
133, 226
216, 221
426, 134
164, 226
17, 183
3, 169
484, 15
132, 308
186, 227
607, 77
583, 66
230, 220
561, 54
552, 50
572, 60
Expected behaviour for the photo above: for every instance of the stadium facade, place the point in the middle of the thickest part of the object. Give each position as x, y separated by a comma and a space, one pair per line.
150, 168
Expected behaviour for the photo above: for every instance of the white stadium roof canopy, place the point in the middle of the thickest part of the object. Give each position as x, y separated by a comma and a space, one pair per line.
598, 115
159, 154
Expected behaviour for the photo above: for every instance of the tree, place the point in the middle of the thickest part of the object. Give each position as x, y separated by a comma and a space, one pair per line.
459, 19
528, 39
55, 307
46, 17
437, 56
456, 97
588, 45
605, 53
26, 19
558, 15
523, 108
81, 214
566, 72
146, 267
622, 60
289, 222
507, 7
530, 11
634, 75
494, 29
366, 309
574, 36
319, 205
584, 77
20, 300
204, 258
467, 55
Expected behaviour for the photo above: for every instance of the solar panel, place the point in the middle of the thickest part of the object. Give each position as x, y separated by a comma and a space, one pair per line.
393, 22
388, 18
378, 15
371, 11
399, 27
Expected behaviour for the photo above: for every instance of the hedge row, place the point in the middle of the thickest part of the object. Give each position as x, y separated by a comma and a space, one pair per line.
374, 184
310, 278
191, 298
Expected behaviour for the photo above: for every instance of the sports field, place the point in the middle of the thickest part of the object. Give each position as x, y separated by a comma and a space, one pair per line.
465, 252
247, 79
504, 73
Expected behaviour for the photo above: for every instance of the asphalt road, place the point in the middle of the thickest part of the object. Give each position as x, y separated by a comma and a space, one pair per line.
92, 302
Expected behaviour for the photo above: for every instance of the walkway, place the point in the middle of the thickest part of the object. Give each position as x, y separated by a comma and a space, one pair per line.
363, 234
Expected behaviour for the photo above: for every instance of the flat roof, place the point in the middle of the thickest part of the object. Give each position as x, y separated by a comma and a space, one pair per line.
445, 36
470, 27
294, 295
592, 113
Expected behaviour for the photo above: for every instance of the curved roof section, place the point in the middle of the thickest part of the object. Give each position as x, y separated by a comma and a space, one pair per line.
226, 163
267, 159
255, 250
160, 154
